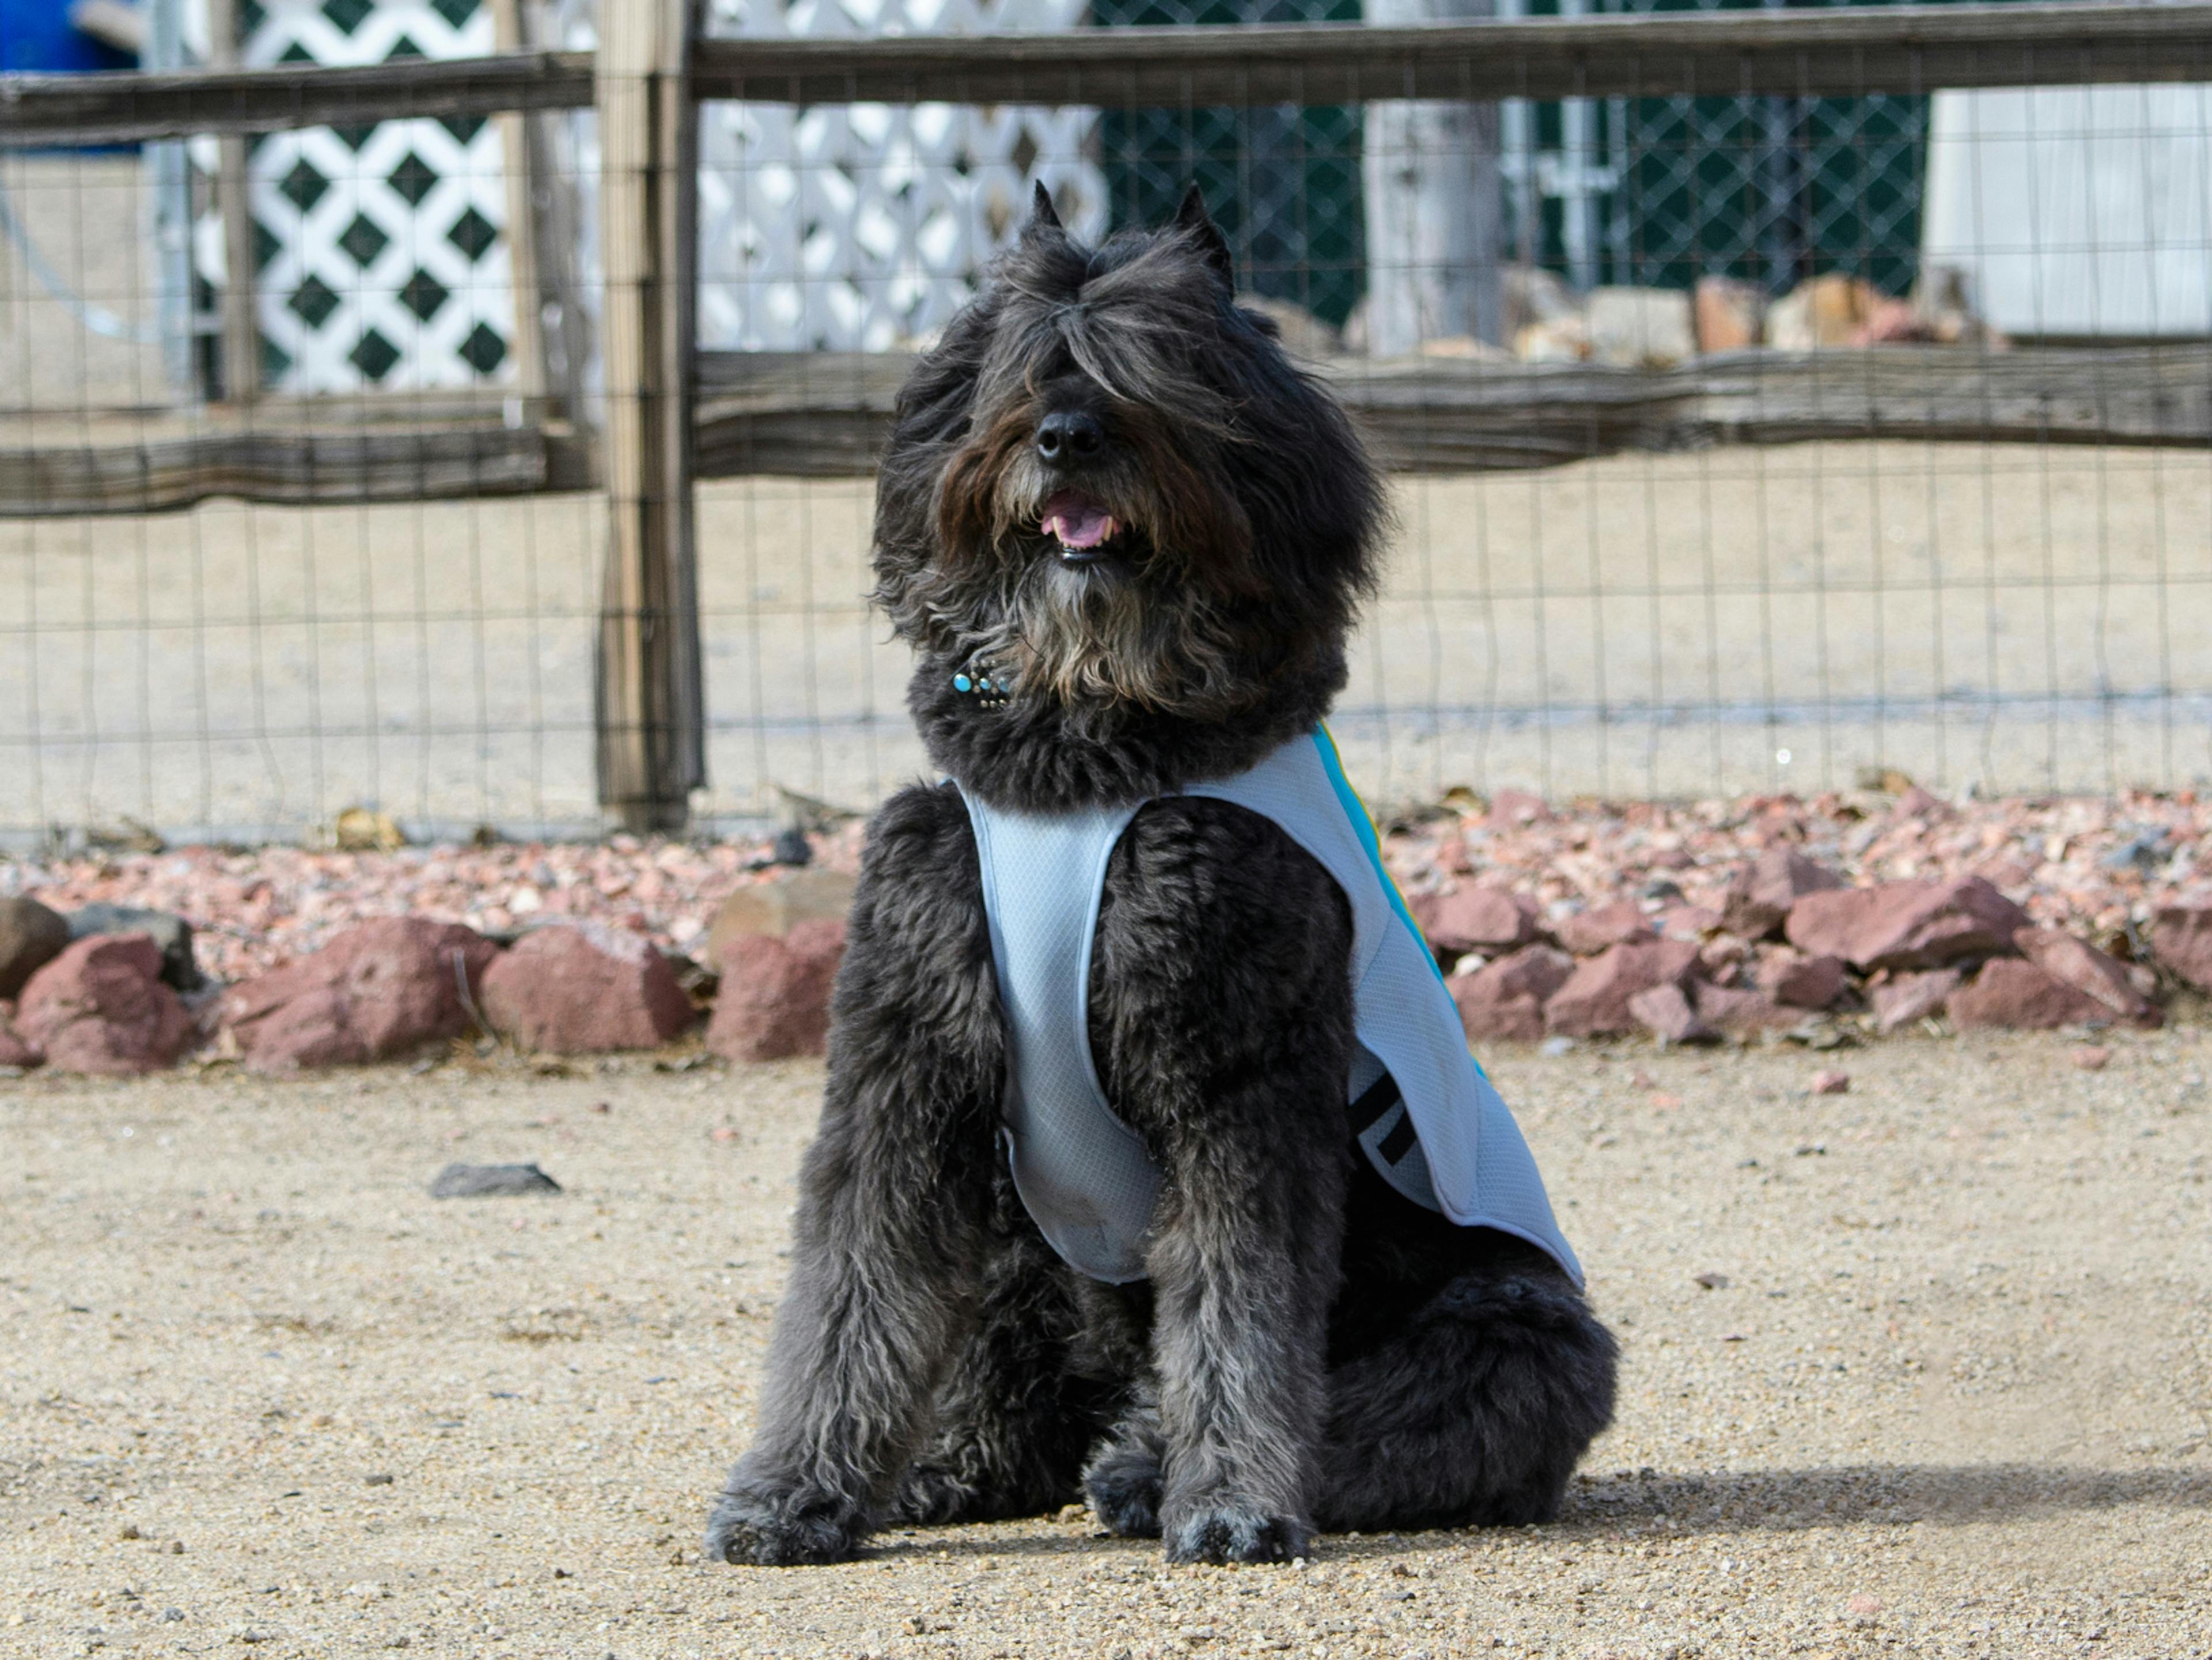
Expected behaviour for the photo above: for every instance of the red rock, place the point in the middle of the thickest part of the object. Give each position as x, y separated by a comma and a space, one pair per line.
15, 1049
1510, 806
1722, 954
2181, 939
774, 997
779, 904
1803, 983
1903, 998
2092, 1057
1907, 925
1917, 803
1665, 1011
1730, 312
1594, 1001
100, 1008
1761, 893
1588, 932
1892, 322
1505, 1001
1831, 1082
584, 990
2088, 971
379, 989
1470, 918
2020, 995
1688, 921
1741, 1012
31, 936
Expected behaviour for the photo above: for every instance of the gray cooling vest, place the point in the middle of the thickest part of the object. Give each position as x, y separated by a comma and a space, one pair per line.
1444, 1139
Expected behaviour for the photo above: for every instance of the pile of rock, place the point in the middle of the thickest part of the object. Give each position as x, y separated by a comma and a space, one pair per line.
1758, 942
1793, 942
118, 1000
1650, 328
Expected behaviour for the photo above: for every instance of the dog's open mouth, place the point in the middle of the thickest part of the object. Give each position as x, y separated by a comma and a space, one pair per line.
1087, 532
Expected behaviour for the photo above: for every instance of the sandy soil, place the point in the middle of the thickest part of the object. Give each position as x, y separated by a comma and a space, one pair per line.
1954, 1397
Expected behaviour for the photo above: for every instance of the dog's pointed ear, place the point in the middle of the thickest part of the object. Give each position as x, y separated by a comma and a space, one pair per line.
1195, 222
1042, 216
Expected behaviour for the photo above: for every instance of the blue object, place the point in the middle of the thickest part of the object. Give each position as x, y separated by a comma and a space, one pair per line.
961, 682
1444, 1139
37, 36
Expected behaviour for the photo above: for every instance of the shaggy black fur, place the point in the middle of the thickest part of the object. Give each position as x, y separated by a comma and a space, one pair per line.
1310, 1350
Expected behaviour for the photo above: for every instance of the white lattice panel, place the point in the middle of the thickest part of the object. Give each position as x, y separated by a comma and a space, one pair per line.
385, 264
861, 227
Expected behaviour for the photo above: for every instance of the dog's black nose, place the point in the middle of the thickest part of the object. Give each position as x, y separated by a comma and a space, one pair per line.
1066, 435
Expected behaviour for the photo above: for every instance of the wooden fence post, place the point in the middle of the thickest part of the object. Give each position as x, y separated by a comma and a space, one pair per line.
1434, 232
241, 327
652, 735
517, 154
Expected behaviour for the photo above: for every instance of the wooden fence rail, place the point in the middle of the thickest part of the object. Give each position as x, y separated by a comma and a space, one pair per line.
826, 415
1904, 49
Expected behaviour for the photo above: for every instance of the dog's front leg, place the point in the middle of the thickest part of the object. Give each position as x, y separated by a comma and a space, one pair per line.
1243, 1267
894, 1193
1226, 956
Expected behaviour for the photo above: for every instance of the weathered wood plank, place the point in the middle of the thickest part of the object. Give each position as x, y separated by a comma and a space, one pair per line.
241, 328
306, 468
127, 107
827, 414
1904, 49
650, 707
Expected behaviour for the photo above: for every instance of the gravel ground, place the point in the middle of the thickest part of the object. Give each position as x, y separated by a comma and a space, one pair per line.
1950, 1391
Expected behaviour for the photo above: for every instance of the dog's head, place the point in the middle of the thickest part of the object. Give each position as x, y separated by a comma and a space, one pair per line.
1108, 486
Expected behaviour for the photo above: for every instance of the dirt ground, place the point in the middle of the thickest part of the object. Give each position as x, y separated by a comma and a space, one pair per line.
1950, 1392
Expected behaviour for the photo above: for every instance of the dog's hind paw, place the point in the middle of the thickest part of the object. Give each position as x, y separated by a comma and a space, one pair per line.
1123, 1489
749, 1529
1228, 1534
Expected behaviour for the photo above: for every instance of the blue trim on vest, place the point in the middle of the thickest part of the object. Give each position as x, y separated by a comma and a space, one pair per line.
1363, 823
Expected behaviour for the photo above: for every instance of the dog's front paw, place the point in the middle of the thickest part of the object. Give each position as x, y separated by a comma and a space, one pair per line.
1123, 1488
753, 1525
1230, 1533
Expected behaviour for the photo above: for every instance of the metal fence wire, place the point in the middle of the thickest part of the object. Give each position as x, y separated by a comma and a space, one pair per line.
465, 408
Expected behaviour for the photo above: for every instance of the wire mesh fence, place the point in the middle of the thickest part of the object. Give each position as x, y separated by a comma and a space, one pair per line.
1768, 399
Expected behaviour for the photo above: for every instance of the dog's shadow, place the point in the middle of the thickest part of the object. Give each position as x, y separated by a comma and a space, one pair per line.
1711, 1502
1786, 1500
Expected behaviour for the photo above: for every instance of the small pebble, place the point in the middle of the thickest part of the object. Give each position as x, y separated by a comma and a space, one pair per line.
1831, 1082
2092, 1057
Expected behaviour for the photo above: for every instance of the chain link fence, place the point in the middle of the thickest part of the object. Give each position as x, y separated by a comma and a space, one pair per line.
1750, 430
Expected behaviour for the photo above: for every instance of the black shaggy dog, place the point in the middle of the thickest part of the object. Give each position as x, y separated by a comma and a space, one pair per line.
1108, 493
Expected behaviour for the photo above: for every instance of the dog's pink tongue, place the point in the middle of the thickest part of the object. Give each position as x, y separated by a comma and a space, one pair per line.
1077, 520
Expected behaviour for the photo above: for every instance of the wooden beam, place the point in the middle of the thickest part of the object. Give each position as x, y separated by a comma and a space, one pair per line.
302, 468
828, 414
526, 340
1827, 52
650, 712
128, 107
241, 328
